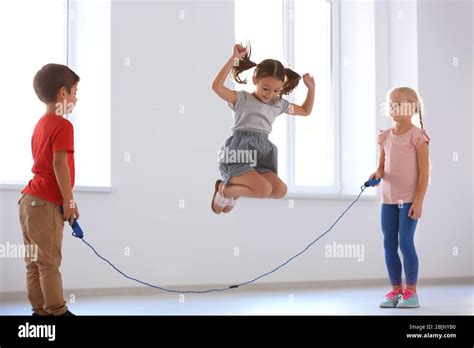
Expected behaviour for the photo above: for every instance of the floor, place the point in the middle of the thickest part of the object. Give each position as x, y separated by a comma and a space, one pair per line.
434, 300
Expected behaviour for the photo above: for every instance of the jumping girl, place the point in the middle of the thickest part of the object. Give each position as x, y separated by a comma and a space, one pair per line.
247, 159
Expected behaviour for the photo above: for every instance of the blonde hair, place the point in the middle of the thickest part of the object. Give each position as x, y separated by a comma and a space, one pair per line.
411, 96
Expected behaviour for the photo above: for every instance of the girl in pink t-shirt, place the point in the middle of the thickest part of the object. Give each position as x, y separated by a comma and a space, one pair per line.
404, 167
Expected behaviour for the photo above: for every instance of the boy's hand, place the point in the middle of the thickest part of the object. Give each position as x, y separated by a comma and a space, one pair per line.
309, 81
377, 175
70, 211
239, 51
61, 170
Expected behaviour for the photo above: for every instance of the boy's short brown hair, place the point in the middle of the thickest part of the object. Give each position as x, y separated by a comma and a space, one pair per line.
51, 78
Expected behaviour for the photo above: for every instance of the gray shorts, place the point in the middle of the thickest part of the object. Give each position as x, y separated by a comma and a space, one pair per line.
246, 151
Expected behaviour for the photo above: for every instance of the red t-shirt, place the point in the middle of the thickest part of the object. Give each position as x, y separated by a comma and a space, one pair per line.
52, 133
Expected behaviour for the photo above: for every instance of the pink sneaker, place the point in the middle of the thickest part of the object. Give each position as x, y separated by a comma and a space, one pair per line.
409, 299
391, 299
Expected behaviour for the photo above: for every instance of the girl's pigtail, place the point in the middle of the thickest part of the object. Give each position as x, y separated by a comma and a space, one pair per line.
292, 80
421, 118
242, 65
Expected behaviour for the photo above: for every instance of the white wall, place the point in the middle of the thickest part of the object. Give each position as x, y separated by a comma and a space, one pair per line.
444, 34
358, 107
472, 123
403, 43
173, 158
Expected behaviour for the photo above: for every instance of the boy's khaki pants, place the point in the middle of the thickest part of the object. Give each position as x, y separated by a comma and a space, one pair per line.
42, 225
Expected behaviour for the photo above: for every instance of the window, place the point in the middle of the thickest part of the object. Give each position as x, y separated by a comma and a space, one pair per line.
74, 33
314, 138
298, 33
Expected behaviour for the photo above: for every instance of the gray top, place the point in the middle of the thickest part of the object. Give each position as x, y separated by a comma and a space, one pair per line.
251, 114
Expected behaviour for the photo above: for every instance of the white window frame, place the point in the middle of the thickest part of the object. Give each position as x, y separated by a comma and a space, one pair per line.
289, 51
68, 51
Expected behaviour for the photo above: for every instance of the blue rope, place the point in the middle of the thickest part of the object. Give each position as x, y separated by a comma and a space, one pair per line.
232, 286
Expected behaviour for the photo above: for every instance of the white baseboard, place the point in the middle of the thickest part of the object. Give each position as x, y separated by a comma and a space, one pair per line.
265, 287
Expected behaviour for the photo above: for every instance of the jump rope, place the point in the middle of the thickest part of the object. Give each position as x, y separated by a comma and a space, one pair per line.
78, 233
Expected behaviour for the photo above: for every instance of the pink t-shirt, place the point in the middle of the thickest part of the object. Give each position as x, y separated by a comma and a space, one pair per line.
400, 178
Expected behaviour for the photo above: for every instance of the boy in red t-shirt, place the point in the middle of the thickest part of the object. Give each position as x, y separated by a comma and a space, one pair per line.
47, 201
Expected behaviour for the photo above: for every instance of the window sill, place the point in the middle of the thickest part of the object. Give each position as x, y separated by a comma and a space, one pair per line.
309, 196
334, 196
18, 187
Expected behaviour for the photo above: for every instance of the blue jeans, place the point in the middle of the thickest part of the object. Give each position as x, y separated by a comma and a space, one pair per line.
395, 223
